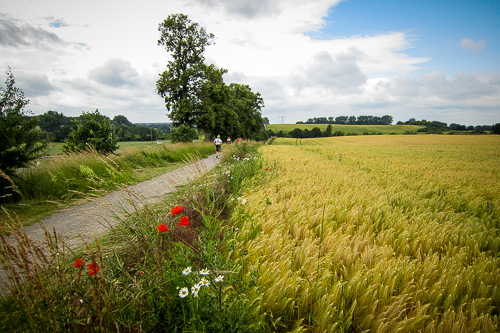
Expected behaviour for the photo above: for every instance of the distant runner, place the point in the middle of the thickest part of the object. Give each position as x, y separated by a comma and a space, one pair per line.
218, 143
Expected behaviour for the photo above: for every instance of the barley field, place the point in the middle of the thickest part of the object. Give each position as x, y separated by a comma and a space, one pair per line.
376, 234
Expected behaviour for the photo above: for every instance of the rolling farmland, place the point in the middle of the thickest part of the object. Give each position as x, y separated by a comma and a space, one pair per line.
358, 129
377, 234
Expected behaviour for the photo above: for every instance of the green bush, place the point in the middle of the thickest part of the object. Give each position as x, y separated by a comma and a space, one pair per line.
92, 130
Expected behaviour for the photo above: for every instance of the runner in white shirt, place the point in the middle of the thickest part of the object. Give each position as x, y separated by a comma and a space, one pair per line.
218, 143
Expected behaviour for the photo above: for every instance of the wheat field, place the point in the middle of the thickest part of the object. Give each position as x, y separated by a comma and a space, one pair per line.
376, 234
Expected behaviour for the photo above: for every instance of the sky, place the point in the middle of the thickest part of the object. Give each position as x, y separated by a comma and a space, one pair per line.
433, 60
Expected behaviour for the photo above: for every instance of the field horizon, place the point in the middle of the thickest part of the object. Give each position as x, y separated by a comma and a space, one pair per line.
358, 129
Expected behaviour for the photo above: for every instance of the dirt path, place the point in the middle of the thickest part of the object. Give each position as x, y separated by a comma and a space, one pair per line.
100, 215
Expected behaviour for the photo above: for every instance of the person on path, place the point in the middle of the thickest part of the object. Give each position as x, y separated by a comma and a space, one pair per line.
228, 140
218, 143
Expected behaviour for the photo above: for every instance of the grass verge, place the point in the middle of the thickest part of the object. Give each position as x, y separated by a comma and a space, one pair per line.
58, 182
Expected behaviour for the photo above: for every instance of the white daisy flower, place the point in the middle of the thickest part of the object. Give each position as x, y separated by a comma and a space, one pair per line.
183, 292
204, 271
243, 201
186, 271
195, 289
220, 278
204, 282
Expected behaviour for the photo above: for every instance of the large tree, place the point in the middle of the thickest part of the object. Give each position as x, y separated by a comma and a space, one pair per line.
247, 105
180, 83
215, 116
19, 135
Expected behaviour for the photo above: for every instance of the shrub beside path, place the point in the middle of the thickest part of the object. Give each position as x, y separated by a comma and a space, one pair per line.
82, 222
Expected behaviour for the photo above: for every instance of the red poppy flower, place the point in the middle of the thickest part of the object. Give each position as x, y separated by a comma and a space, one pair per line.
162, 228
93, 269
176, 210
267, 169
184, 221
79, 263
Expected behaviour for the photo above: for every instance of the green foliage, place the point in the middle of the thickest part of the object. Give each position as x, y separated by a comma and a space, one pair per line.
233, 110
261, 135
215, 116
180, 83
19, 136
297, 133
315, 132
55, 125
352, 120
248, 106
195, 94
329, 130
496, 129
93, 130
184, 134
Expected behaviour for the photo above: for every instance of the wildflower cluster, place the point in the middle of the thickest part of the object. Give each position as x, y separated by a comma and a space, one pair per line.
183, 222
243, 201
93, 267
202, 282
228, 174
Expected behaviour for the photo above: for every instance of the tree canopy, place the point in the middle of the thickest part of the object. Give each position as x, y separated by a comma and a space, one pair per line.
196, 94
180, 83
19, 136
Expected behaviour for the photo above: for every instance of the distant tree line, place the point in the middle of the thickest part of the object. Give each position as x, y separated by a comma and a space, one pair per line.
315, 132
437, 127
56, 127
350, 120
431, 127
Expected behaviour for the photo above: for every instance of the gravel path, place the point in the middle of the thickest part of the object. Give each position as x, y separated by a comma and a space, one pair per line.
101, 214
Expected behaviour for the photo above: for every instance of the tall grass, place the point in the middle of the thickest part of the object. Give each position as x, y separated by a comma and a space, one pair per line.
377, 234
70, 176
138, 285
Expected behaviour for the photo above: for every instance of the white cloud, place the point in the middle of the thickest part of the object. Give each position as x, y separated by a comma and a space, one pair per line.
245, 8
335, 74
34, 84
470, 45
115, 72
15, 34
